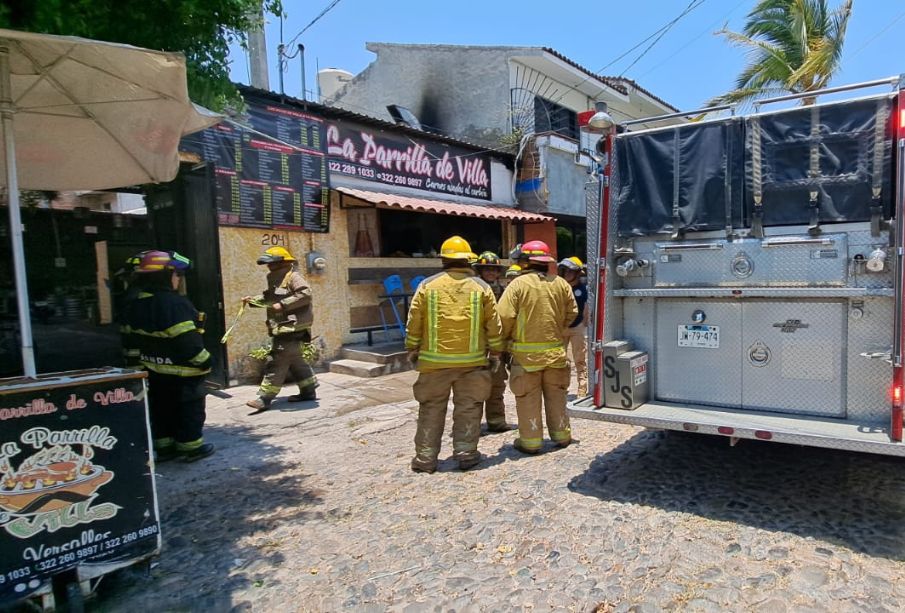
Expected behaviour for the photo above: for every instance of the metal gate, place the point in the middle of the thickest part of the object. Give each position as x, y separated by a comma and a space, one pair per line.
183, 217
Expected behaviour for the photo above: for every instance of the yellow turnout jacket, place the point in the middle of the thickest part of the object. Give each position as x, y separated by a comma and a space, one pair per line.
535, 310
453, 321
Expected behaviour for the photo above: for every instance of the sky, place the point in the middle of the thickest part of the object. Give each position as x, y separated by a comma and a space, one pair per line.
686, 67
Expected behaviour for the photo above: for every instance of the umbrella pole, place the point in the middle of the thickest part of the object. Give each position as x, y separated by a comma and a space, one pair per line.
15, 220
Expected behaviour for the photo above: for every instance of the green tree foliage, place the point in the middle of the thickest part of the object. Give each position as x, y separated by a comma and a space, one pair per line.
792, 46
201, 29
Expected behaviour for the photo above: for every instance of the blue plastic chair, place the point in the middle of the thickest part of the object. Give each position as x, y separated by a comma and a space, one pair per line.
414, 283
392, 285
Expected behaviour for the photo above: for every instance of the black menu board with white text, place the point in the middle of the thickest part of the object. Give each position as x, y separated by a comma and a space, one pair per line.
270, 169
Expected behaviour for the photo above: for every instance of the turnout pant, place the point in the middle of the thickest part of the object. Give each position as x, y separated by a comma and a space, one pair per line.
177, 410
548, 386
469, 387
577, 352
286, 357
494, 408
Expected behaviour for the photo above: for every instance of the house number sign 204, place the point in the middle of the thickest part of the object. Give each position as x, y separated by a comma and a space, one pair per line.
273, 240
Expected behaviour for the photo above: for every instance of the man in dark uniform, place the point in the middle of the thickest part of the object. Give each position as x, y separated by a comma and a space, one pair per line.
289, 319
162, 328
570, 269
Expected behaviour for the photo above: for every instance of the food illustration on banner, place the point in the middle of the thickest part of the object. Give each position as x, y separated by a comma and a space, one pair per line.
56, 485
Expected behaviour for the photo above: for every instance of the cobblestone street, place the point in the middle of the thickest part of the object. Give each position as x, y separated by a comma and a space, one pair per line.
312, 507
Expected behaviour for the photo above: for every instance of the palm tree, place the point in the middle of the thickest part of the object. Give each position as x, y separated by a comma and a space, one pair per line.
793, 46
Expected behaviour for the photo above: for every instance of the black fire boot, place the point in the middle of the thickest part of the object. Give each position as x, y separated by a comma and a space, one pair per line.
193, 455
309, 394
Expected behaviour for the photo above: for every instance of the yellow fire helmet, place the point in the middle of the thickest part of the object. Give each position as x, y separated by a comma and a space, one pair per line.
569, 264
577, 260
456, 248
513, 271
276, 254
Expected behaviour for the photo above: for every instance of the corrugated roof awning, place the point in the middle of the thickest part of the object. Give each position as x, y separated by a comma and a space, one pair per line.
442, 207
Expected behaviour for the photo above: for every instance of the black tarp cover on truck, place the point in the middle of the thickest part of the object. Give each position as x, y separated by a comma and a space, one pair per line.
826, 163
680, 179
811, 165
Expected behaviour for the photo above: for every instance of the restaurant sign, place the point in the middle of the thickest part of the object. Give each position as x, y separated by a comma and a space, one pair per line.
399, 159
76, 486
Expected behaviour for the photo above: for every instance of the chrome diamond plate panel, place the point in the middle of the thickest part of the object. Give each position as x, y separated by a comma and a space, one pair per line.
862, 243
869, 380
848, 434
694, 374
638, 327
592, 207
755, 292
774, 261
793, 359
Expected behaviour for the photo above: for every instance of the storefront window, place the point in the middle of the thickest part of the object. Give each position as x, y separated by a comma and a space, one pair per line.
406, 234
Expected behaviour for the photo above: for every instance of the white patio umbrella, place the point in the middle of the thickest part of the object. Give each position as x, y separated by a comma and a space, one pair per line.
79, 114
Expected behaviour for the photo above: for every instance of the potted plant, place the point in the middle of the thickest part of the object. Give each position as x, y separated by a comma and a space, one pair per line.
310, 353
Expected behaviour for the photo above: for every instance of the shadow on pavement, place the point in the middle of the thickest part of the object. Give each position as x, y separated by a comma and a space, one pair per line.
856, 500
290, 407
508, 452
211, 513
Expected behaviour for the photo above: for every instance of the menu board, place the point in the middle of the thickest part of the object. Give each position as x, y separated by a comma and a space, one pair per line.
270, 172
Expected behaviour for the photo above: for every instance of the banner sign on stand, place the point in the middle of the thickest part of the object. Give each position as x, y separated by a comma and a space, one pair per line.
76, 486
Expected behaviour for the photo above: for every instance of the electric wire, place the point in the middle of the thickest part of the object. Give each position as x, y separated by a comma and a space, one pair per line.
693, 40
320, 15
873, 38
661, 31
691, 6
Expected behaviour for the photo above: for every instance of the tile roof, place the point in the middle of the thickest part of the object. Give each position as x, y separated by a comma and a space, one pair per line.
617, 83
443, 207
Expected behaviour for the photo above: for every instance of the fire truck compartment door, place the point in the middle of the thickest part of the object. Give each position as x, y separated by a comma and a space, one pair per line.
800, 261
793, 356
702, 370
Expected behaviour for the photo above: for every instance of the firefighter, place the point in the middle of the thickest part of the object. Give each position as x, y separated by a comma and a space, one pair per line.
576, 334
289, 319
488, 267
512, 272
515, 254
535, 311
451, 325
125, 291
163, 327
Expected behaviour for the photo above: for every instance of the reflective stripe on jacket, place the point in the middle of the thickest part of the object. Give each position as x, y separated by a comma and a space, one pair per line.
291, 290
453, 321
535, 311
160, 330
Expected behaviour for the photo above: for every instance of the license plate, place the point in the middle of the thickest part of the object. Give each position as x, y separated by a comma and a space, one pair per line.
707, 337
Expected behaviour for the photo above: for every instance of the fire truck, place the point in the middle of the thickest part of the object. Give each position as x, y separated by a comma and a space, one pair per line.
747, 272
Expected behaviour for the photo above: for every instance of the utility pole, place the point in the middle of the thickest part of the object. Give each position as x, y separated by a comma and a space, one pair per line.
257, 50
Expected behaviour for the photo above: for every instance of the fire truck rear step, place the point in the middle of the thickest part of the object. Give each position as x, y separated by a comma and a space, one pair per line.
756, 425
